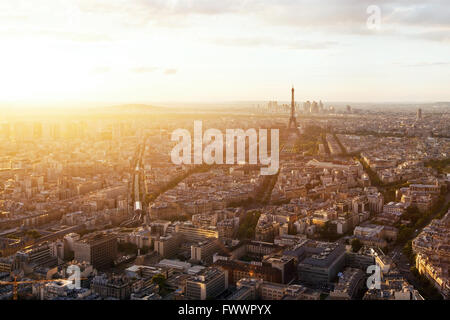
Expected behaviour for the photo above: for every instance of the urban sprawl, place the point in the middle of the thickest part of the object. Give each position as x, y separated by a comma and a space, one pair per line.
356, 187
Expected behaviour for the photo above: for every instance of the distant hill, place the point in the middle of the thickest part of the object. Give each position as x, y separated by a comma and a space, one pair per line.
134, 108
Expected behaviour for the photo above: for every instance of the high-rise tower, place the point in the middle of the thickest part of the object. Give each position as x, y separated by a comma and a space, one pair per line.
419, 114
292, 120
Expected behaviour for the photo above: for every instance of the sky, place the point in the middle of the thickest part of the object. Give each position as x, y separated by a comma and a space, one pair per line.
67, 52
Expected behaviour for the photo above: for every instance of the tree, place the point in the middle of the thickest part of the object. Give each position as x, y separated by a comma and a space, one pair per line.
329, 232
161, 281
356, 245
412, 209
404, 234
248, 224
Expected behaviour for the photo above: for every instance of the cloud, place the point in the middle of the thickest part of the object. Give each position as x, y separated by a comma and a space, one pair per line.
170, 71
413, 18
436, 35
203, 7
432, 13
144, 69
272, 42
430, 18
101, 70
138, 70
310, 45
426, 64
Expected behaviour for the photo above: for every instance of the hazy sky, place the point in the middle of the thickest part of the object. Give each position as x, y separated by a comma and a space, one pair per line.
66, 51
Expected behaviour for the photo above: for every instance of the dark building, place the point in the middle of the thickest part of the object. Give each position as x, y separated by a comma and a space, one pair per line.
98, 249
318, 262
112, 287
36, 256
286, 265
209, 284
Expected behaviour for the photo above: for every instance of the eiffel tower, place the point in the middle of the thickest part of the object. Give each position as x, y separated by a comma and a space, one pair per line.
292, 120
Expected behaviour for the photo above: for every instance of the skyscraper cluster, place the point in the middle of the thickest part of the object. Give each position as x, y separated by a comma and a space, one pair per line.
315, 107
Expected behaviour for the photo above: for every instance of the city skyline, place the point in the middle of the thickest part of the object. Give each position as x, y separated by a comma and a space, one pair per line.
76, 53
